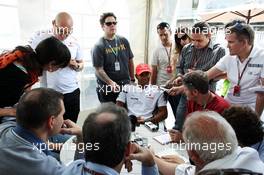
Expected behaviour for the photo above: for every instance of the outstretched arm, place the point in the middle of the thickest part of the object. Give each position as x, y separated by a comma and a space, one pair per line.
7, 112
131, 69
214, 73
260, 101
160, 115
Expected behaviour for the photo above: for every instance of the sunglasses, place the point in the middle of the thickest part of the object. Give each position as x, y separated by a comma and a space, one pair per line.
110, 23
183, 37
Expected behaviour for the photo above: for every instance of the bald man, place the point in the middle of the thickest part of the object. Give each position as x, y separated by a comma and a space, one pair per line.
63, 80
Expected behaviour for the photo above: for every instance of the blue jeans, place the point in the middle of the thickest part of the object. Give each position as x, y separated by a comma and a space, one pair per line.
174, 102
181, 113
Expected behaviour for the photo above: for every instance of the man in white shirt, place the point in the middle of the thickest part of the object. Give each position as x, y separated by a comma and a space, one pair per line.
243, 66
162, 68
143, 99
211, 143
64, 80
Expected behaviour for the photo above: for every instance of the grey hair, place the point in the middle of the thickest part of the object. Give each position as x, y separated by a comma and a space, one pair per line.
207, 128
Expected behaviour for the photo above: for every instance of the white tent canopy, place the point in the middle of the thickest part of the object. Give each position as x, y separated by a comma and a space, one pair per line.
224, 11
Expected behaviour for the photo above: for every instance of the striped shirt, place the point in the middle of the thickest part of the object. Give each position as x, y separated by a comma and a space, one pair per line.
199, 59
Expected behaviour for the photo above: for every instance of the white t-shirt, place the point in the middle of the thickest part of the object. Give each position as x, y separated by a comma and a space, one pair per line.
251, 77
63, 80
142, 102
246, 158
161, 60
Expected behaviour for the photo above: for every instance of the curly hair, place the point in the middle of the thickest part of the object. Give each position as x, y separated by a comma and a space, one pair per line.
104, 16
246, 124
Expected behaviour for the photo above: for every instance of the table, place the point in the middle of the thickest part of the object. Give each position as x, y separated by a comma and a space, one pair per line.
171, 148
67, 151
68, 148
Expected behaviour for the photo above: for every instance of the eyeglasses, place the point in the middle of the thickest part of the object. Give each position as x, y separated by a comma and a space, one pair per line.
110, 23
237, 24
240, 28
163, 25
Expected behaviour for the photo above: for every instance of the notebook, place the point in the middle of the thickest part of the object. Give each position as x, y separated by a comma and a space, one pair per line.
163, 139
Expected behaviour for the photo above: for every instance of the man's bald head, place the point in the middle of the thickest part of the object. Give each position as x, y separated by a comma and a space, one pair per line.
209, 129
109, 128
62, 25
63, 18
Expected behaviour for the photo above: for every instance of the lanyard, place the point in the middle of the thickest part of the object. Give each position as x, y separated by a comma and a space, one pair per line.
194, 59
239, 77
92, 172
168, 53
115, 51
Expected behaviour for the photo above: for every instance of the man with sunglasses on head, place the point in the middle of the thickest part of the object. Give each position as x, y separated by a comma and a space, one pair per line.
201, 54
243, 67
113, 60
63, 80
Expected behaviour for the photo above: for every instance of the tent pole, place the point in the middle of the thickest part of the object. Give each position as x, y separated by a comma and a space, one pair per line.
248, 17
147, 22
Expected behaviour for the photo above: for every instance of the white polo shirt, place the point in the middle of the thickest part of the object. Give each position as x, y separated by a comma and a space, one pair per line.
142, 102
63, 80
246, 158
251, 77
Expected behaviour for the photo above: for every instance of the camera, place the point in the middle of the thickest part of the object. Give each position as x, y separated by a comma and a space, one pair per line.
151, 126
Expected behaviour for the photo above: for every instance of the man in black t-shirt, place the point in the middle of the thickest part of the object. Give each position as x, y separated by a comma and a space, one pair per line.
113, 61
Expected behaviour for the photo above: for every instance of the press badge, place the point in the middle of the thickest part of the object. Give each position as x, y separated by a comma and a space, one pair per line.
117, 66
169, 69
236, 91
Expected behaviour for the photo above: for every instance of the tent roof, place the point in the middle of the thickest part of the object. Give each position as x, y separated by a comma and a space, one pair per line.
253, 12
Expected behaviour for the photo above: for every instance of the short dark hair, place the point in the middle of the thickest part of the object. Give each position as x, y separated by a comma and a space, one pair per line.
201, 28
105, 15
36, 106
242, 30
196, 80
163, 25
52, 50
247, 125
112, 136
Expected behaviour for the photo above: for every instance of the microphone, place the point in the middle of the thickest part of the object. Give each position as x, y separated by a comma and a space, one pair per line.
133, 120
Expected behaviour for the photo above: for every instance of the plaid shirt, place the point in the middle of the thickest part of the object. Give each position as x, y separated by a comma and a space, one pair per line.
199, 59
